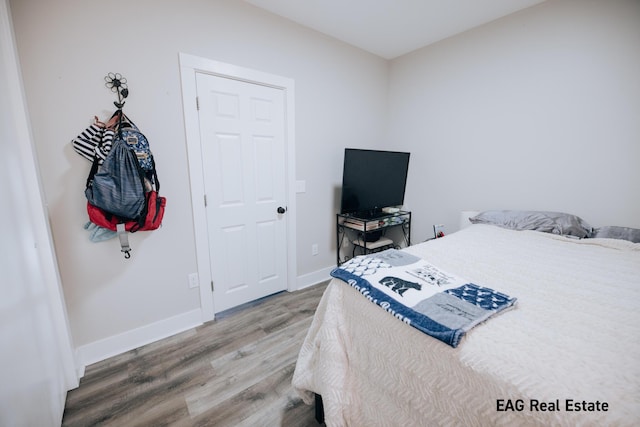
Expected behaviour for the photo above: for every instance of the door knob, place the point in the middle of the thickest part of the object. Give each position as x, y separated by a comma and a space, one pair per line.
281, 210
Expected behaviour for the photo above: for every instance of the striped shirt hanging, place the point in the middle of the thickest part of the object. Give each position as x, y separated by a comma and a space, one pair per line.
94, 141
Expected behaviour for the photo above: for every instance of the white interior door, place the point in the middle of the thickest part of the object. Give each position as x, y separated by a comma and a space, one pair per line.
242, 137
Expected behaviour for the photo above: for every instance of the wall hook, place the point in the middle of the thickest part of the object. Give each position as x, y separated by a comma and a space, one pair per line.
117, 84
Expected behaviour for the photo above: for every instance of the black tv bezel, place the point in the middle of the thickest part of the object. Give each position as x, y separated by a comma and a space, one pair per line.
367, 212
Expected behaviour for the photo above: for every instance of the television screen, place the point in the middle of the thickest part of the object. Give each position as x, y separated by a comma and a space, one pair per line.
372, 180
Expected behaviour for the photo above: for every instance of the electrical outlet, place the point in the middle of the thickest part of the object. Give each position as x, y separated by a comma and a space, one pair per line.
314, 249
194, 282
438, 230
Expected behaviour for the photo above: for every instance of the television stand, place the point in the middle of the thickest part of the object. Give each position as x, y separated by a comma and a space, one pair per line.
367, 235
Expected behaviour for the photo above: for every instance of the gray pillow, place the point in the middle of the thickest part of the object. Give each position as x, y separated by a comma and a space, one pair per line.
615, 232
548, 222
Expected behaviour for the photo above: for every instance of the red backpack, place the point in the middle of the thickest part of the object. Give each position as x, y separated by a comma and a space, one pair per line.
152, 220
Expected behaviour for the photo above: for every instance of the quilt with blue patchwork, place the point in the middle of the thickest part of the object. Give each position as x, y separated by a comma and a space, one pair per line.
418, 293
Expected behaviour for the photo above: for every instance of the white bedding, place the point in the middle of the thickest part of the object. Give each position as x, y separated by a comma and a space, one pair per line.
574, 334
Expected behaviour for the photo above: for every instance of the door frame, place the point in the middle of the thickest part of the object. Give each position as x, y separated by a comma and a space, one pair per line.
190, 65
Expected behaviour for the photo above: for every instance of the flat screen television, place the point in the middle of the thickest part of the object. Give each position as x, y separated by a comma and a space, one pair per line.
372, 180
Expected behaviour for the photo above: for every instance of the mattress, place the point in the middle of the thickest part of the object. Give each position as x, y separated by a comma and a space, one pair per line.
567, 355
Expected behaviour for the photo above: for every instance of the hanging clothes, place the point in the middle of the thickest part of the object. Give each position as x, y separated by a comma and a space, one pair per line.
96, 140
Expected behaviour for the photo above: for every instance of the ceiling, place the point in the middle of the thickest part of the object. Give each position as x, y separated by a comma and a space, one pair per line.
391, 28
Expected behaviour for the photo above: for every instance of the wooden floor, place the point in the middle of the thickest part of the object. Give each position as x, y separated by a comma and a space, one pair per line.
233, 371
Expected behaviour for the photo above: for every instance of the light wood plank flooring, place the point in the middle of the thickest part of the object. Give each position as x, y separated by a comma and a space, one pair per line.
233, 371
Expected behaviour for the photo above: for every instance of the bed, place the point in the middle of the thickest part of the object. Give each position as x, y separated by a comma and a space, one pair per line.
567, 354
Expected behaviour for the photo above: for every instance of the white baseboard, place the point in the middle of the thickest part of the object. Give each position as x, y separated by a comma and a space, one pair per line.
112, 346
103, 349
313, 278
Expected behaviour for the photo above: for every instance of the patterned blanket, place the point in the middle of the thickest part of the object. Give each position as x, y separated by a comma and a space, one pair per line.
433, 301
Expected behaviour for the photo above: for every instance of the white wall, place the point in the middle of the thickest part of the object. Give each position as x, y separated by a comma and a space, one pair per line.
538, 110
67, 47
36, 360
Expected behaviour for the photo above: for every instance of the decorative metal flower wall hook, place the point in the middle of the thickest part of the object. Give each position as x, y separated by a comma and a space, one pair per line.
117, 84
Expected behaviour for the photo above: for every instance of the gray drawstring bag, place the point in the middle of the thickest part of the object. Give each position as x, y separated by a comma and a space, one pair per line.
117, 186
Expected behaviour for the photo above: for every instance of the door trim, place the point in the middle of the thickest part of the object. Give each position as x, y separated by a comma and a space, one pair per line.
190, 65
